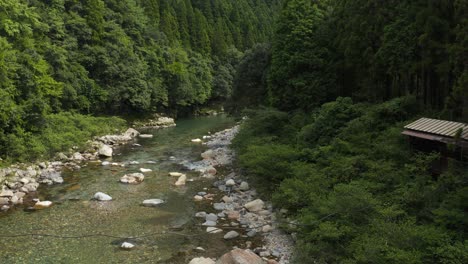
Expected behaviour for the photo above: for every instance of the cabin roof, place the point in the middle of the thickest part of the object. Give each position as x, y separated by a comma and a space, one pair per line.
436, 127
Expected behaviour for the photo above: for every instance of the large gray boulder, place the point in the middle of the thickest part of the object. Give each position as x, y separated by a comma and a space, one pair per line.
105, 151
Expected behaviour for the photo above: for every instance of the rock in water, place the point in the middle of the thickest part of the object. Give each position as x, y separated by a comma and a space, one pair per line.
255, 205
231, 235
100, 196
131, 133
126, 245
145, 170
196, 140
202, 261
146, 136
153, 202
105, 151
133, 178
240, 256
181, 181
42, 204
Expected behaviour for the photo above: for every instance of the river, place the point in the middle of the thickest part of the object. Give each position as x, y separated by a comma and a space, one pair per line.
75, 214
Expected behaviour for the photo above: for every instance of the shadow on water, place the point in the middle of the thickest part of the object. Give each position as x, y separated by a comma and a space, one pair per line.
75, 214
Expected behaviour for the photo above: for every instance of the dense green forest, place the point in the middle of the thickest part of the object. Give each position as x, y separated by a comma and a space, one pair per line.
338, 82
116, 57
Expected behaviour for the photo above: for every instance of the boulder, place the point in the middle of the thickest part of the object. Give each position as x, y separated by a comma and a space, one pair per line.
244, 186
213, 230
231, 235
127, 245
145, 170
77, 156
6, 193
42, 204
209, 154
105, 151
233, 215
131, 133
153, 202
4, 201
255, 205
230, 182
240, 256
267, 228
133, 178
211, 217
198, 198
202, 261
181, 181
100, 196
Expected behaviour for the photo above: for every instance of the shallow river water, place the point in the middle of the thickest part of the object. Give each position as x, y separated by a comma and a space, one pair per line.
170, 230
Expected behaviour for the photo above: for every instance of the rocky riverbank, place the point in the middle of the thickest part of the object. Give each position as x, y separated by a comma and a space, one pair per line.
19, 182
239, 213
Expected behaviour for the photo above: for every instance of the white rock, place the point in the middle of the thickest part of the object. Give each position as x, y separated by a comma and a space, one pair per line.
145, 170
105, 163
196, 140
175, 174
181, 180
105, 151
146, 136
153, 202
198, 198
231, 235
133, 178
255, 205
267, 228
209, 223
6, 193
230, 182
77, 156
24, 180
211, 217
42, 204
202, 260
126, 245
200, 214
244, 186
134, 162
213, 230
131, 133
100, 196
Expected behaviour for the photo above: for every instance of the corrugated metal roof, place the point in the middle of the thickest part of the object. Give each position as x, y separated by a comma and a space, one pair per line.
439, 127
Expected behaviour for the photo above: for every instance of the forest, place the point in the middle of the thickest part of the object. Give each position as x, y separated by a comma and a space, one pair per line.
325, 86
115, 57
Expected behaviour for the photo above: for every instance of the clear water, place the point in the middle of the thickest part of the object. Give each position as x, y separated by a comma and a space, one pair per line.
75, 214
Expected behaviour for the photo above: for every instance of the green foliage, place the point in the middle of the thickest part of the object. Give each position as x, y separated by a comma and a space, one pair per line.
354, 187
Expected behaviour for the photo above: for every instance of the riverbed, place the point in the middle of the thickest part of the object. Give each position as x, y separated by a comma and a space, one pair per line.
92, 231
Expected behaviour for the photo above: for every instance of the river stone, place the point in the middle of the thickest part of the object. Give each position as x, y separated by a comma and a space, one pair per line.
200, 214
77, 156
6, 193
209, 223
196, 140
134, 162
42, 204
211, 217
4, 200
181, 180
267, 228
244, 186
146, 136
153, 202
175, 174
227, 199
213, 230
131, 133
209, 154
231, 235
133, 178
202, 260
251, 233
198, 198
230, 182
255, 205
233, 215
100, 196
219, 206
145, 170
105, 151
240, 256
127, 245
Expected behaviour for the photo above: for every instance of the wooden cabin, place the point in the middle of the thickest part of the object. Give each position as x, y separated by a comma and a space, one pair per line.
448, 138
